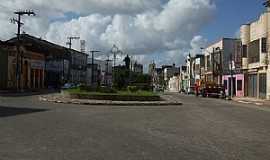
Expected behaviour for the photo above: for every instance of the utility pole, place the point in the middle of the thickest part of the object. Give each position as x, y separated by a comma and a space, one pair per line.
69, 43
92, 68
107, 70
19, 56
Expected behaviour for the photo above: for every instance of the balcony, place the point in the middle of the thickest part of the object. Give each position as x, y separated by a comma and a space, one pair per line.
263, 60
245, 63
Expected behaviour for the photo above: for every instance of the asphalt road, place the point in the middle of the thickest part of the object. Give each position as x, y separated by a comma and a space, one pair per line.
201, 129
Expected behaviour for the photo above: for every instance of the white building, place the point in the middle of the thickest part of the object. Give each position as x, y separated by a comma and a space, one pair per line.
102, 72
174, 84
255, 38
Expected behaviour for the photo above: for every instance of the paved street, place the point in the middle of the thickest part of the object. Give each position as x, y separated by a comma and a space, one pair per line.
200, 129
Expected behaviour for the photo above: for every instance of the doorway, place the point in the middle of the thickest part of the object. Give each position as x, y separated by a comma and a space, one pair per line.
262, 86
252, 85
232, 86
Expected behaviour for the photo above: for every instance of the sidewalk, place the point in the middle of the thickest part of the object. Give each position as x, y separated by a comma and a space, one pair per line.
248, 100
14, 93
58, 98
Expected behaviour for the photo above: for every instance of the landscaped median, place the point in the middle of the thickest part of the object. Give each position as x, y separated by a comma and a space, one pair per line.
77, 93
122, 98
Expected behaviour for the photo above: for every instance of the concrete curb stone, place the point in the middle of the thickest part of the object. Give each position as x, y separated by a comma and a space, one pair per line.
62, 100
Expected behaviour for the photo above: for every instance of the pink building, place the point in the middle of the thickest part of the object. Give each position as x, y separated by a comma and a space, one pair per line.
236, 85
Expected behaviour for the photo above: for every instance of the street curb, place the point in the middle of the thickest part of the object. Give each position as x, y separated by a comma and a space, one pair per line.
112, 103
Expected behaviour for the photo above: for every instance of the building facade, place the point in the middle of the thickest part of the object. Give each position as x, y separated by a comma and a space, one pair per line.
223, 65
184, 77
102, 72
174, 84
23, 71
255, 40
42, 64
137, 68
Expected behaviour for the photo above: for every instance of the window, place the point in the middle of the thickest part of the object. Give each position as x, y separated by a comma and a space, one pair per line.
226, 84
254, 51
245, 51
239, 85
264, 45
208, 62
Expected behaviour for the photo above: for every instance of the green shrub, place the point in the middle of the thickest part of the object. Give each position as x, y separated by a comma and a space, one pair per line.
133, 89
106, 90
87, 88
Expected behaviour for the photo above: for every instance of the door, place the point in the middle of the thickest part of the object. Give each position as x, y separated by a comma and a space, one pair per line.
25, 75
262, 86
232, 86
252, 85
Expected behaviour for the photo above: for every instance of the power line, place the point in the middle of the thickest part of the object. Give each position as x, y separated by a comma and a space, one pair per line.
19, 55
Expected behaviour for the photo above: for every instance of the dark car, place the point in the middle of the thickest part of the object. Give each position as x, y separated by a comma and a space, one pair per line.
213, 91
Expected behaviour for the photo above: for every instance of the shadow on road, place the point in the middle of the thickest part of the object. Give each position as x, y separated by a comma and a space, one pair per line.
26, 93
11, 111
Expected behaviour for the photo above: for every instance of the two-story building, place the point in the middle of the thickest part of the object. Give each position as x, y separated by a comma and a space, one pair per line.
223, 65
255, 40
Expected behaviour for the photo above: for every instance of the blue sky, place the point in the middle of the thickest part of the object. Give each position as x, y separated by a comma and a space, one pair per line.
229, 16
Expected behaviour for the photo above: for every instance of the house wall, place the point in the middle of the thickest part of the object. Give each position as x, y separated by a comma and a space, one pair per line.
3, 69
239, 92
255, 71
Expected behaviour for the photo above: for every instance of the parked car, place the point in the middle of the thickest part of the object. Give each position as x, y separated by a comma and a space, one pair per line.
68, 86
213, 90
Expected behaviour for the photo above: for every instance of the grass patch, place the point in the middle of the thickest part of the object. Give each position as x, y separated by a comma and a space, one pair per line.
120, 93
79, 93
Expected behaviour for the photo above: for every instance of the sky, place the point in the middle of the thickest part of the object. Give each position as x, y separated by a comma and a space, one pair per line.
229, 15
161, 30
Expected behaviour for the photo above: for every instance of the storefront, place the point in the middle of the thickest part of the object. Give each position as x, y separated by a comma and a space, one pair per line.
234, 85
256, 85
30, 69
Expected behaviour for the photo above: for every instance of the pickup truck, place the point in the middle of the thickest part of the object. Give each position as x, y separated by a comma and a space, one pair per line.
213, 91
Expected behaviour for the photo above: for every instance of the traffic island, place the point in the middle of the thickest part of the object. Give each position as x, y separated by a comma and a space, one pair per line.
70, 99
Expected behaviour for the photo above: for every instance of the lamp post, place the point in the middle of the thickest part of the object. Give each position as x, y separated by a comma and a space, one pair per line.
231, 72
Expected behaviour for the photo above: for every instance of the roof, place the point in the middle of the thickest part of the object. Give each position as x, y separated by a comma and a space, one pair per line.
221, 39
42, 46
166, 66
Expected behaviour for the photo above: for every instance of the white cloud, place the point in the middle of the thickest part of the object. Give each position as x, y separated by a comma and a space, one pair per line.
164, 30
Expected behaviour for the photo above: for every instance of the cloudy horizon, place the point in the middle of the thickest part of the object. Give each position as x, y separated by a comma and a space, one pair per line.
160, 30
